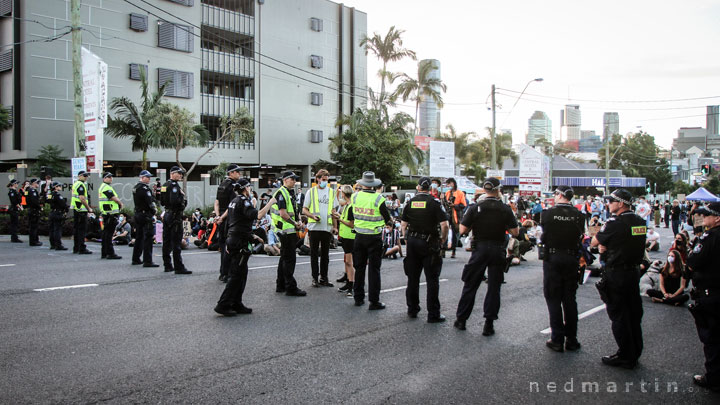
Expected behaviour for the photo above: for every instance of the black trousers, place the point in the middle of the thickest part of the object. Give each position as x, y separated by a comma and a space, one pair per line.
110, 221
286, 264
13, 224
678, 299
367, 254
419, 258
560, 281
56, 220
172, 240
238, 272
144, 235
320, 249
707, 322
455, 235
624, 308
222, 239
80, 220
33, 221
490, 256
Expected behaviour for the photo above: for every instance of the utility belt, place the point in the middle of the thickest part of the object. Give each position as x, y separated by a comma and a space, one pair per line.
427, 237
696, 293
569, 252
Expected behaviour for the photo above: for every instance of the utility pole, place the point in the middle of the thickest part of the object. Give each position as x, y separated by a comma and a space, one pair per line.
607, 163
77, 76
493, 152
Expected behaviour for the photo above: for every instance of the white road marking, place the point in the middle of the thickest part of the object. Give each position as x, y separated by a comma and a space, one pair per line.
6, 265
274, 266
581, 316
66, 287
404, 287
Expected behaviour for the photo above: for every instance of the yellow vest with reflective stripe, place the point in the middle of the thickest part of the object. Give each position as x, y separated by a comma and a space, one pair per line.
75, 203
284, 226
314, 207
345, 231
366, 211
107, 205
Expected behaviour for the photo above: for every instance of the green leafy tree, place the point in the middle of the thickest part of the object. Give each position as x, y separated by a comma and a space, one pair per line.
220, 171
422, 88
503, 143
132, 122
52, 156
638, 156
4, 118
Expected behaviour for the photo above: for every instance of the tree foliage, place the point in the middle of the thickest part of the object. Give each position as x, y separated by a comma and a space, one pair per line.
638, 156
4, 118
52, 156
422, 88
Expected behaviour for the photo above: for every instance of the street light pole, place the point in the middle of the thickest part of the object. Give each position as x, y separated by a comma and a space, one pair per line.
493, 149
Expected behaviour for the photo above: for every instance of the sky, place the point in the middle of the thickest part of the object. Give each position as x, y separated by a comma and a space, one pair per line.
604, 52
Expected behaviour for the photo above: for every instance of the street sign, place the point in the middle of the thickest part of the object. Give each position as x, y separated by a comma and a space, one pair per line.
78, 164
442, 159
532, 175
423, 142
498, 174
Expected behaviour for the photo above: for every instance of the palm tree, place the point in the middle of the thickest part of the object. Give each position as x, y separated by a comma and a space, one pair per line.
421, 88
131, 122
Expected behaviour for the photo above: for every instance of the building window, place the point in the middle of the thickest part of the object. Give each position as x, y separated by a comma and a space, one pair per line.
6, 61
316, 98
188, 3
138, 22
135, 71
175, 36
316, 24
6, 7
177, 83
316, 61
316, 136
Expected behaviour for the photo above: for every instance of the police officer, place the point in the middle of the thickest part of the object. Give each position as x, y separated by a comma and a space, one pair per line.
285, 224
704, 264
425, 226
32, 196
621, 243
80, 203
174, 201
563, 228
58, 209
225, 194
239, 220
110, 206
144, 221
13, 208
489, 219
369, 216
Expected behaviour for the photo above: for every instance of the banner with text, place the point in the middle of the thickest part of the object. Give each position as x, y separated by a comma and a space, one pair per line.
94, 72
442, 159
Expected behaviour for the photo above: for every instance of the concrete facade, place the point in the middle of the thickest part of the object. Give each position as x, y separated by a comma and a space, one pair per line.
539, 127
429, 113
571, 121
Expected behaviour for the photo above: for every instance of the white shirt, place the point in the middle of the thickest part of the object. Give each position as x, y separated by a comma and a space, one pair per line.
643, 210
653, 236
324, 200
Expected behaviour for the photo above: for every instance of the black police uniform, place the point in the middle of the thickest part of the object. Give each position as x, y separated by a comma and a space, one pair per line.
110, 222
241, 215
15, 204
704, 263
563, 227
225, 194
423, 213
285, 281
173, 199
32, 197
144, 223
624, 237
489, 219
58, 208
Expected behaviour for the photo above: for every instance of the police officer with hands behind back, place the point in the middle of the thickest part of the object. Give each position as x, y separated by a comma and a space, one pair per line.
58, 209
563, 229
704, 265
174, 201
621, 243
225, 194
286, 224
13, 208
425, 225
144, 221
489, 219
239, 220
32, 196
110, 206
80, 203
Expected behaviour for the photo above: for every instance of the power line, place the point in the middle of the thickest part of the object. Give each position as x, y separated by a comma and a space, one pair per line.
615, 101
42, 39
35, 21
613, 108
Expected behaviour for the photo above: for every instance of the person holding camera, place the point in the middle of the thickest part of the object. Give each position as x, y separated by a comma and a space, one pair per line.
621, 243
58, 209
563, 229
457, 203
425, 227
704, 266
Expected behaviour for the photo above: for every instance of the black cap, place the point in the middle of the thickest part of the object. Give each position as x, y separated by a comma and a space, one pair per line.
241, 184
145, 173
55, 184
232, 167
491, 183
177, 169
82, 173
566, 191
12, 182
712, 209
289, 173
107, 174
33, 180
621, 195
424, 183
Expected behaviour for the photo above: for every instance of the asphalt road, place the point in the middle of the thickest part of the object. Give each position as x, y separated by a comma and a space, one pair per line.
138, 335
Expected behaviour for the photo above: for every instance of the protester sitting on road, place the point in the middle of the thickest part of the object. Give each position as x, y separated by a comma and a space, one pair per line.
94, 231
652, 240
651, 279
681, 245
672, 283
391, 241
122, 231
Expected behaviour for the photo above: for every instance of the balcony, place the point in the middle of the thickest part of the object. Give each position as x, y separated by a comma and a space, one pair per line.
228, 20
228, 63
213, 105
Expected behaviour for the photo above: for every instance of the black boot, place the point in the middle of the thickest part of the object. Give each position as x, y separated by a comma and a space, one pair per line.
488, 328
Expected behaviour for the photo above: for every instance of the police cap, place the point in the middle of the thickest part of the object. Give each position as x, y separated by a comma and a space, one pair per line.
82, 173
145, 173
241, 184
424, 183
491, 183
620, 195
566, 191
232, 167
55, 184
177, 169
12, 182
107, 174
289, 173
712, 209
33, 180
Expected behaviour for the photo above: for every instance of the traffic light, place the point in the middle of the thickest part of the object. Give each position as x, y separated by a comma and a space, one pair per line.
706, 168
648, 188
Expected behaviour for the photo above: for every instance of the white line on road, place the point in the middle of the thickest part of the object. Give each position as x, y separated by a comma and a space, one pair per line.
274, 266
404, 287
581, 316
66, 287
6, 265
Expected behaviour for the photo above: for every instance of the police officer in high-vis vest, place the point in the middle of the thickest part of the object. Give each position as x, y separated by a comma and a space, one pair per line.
369, 216
110, 206
58, 209
80, 203
174, 201
563, 229
425, 225
621, 243
145, 211
319, 205
285, 224
225, 194
346, 237
13, 208
32, 196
